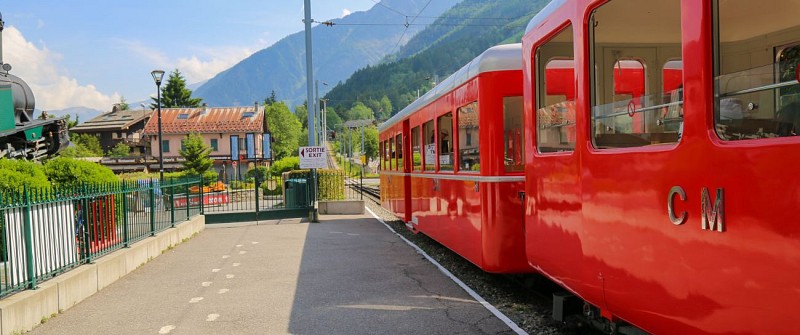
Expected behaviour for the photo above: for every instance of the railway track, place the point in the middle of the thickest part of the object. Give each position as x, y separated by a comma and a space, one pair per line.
371, 192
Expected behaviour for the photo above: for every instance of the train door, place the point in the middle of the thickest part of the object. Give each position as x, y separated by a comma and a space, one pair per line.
406, 156
552, 201
631, 155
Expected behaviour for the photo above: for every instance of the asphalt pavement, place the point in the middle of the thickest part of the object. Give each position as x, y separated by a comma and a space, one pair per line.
345, 275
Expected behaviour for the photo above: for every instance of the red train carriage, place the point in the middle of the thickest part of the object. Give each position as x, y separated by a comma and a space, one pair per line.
452, 162
662, 188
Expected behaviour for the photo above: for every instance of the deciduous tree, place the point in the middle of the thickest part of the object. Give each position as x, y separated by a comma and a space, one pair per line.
120, 150
285, 128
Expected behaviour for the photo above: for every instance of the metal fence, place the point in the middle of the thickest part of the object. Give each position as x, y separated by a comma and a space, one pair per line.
261, 194
45, 232
291, 190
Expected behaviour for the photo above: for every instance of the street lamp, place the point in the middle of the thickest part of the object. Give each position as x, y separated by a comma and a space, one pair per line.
157, 76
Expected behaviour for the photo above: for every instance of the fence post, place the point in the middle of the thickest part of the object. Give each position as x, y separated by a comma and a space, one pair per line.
172, 204
257, 190
152, 208
28, 231
86, 224
202, 193
124, 215
188, 201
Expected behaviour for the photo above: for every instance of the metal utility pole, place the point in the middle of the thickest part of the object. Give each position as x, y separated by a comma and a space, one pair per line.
309, 76
316, 111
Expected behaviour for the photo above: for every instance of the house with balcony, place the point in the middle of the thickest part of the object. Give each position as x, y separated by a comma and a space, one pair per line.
118, 126
234, 134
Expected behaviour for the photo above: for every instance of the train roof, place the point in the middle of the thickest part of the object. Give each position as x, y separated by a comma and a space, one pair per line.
543, 14
497, 58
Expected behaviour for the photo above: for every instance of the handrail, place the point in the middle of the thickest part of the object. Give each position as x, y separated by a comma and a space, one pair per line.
641, 110
760, 88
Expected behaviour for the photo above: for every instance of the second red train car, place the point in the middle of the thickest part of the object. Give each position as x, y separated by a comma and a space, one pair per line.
452, 162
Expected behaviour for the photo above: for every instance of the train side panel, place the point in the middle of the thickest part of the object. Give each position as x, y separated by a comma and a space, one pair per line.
689, 230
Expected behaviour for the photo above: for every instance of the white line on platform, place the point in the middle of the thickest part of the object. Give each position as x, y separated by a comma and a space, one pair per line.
226, 256
223, 291
166, 329
242, 252
229, 276
212, 317
254, 242
236, 264
216, 270
195, 300
206, 283
238, 245
460, 283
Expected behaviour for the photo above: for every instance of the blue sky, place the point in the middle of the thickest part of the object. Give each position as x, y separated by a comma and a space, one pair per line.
89, 53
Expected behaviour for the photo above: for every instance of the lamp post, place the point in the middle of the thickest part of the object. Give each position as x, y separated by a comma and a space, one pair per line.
157, 76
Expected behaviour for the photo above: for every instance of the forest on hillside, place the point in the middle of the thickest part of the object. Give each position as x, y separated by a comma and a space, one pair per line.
458, 36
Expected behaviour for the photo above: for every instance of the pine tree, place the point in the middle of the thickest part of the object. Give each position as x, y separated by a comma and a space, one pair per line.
174, 93
196, 154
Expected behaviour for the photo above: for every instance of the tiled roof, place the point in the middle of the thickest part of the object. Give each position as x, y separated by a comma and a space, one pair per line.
213, 120
113, 120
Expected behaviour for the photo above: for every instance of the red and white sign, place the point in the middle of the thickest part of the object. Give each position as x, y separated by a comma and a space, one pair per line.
313, 157
208, 199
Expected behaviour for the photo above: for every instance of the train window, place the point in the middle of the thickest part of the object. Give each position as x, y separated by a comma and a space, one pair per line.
758, 95
399, 144
555, 114
382, 151
392, 155
637, 84
416, 154
468, 139
671, 116
445, 141
428, 135
513, 160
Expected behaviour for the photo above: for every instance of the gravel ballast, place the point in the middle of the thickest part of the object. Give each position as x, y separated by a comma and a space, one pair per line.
530, 309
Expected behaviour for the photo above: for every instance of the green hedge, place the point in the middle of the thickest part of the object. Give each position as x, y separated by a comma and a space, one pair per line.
331, 184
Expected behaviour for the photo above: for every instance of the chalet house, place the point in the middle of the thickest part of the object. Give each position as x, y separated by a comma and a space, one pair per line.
118, 126
234, 135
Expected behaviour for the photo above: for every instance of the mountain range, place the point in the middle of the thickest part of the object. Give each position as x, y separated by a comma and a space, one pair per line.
350, 43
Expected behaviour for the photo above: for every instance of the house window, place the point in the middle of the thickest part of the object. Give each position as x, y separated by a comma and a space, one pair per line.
183, 116
214, 145
165, 145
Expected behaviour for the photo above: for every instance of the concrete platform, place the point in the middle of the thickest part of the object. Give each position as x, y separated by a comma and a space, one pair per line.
345, 275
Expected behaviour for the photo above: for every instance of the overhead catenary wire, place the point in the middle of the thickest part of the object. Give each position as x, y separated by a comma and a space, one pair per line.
330, 23
380, 3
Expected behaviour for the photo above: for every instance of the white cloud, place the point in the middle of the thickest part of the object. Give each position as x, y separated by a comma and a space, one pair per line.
52, 88
202, 66
346, 12
195, 69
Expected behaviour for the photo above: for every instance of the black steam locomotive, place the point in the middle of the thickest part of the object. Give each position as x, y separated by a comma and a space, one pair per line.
22, 136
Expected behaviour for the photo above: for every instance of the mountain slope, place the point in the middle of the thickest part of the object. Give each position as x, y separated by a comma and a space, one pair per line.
462, 33
353, 42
